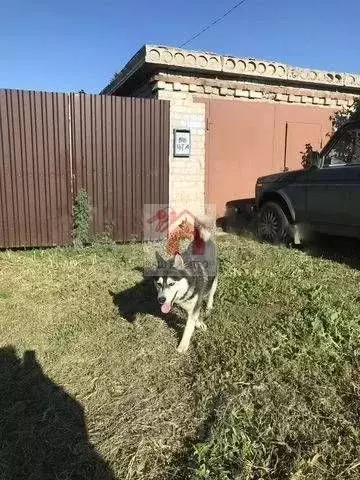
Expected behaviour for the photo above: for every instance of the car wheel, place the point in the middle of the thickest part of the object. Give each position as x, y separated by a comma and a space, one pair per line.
273, 225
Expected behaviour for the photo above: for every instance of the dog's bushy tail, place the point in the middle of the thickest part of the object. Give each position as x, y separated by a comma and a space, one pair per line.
204, 228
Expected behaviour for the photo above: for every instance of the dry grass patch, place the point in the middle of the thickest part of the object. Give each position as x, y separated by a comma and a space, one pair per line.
134, 389
271, 391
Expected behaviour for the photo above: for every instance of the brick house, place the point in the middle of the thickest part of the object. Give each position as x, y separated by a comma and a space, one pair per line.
246, 117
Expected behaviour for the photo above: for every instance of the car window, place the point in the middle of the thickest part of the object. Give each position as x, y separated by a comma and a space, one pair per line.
346, 151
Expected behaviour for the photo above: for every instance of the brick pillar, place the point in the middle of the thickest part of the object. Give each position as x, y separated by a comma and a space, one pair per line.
187, 175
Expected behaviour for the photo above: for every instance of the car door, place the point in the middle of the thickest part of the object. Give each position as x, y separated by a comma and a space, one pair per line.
333, 190
352, 180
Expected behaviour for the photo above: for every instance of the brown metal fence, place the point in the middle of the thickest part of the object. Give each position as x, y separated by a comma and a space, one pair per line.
53, 144
35, 198
120, 157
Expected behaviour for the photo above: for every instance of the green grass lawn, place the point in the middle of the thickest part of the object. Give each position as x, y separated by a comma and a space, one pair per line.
270, 391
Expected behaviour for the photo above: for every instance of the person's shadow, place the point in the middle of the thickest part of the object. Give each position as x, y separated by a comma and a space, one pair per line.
141, 299
43, 434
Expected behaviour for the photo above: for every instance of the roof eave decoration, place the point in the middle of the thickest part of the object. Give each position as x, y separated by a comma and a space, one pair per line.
176, 58
245, 67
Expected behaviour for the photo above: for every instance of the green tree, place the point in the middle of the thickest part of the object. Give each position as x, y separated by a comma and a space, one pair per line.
337, 120
343, 115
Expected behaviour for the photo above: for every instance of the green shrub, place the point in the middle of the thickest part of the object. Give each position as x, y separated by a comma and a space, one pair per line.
341, 116
82, 220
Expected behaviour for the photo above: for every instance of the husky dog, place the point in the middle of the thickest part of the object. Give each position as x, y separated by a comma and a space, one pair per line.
187, 280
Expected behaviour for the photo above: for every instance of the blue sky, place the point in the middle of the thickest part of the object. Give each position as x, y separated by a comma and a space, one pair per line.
73, 45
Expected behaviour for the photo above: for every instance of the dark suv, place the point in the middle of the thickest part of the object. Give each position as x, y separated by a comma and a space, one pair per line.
323, 198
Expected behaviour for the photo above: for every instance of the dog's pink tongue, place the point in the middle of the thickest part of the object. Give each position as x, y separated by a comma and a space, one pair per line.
166, 308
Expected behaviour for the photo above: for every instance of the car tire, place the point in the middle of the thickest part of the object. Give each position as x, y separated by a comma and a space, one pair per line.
273, 225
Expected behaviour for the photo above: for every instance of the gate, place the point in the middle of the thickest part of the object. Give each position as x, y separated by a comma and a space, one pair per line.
246, 140
120, 156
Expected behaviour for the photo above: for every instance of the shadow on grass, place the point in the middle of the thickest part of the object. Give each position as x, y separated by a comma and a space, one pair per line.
241, 220
141, 299
43, 434
337, 249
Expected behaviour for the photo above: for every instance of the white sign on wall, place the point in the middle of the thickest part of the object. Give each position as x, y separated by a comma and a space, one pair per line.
182, 143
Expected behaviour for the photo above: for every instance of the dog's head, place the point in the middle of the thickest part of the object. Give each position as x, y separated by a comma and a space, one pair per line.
170, 281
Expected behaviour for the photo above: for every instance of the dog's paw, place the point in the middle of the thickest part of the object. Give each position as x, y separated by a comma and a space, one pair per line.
182, 348
201, 326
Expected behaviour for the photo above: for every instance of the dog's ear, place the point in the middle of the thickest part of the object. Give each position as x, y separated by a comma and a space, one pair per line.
178, 261
161, 262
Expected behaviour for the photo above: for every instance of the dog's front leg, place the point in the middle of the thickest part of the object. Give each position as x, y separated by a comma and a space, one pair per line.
193, 317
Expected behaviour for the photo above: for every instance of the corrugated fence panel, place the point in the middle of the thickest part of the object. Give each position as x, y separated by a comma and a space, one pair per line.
52, 145
120, 152
35, 190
